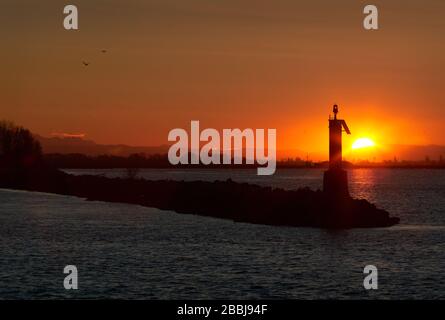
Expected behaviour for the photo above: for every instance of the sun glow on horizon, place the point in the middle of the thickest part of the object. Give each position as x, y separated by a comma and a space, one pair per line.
363, 143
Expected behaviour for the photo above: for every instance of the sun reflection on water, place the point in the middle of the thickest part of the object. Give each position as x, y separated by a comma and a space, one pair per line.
363, 186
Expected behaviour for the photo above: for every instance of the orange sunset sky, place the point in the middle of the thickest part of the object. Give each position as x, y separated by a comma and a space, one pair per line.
229, 64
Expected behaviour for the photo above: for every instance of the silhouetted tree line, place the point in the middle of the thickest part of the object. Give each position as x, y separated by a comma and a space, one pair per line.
18, 148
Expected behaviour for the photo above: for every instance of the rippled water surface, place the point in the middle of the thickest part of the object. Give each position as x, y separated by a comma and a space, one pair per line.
132, 252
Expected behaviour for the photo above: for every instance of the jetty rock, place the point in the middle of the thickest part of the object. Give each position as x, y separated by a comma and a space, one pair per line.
240, 202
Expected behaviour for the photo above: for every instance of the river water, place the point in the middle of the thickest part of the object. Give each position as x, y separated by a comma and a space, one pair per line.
131, 252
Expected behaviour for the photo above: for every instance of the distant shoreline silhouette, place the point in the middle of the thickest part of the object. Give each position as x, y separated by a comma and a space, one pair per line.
62, 146
156, 161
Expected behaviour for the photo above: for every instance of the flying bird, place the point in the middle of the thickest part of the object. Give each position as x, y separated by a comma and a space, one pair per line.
86, 64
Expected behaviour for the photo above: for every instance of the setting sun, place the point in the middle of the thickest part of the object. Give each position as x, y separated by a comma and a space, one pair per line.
363, 143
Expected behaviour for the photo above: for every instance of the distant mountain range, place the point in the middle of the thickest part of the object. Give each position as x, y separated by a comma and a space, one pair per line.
414, 152
66, 145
